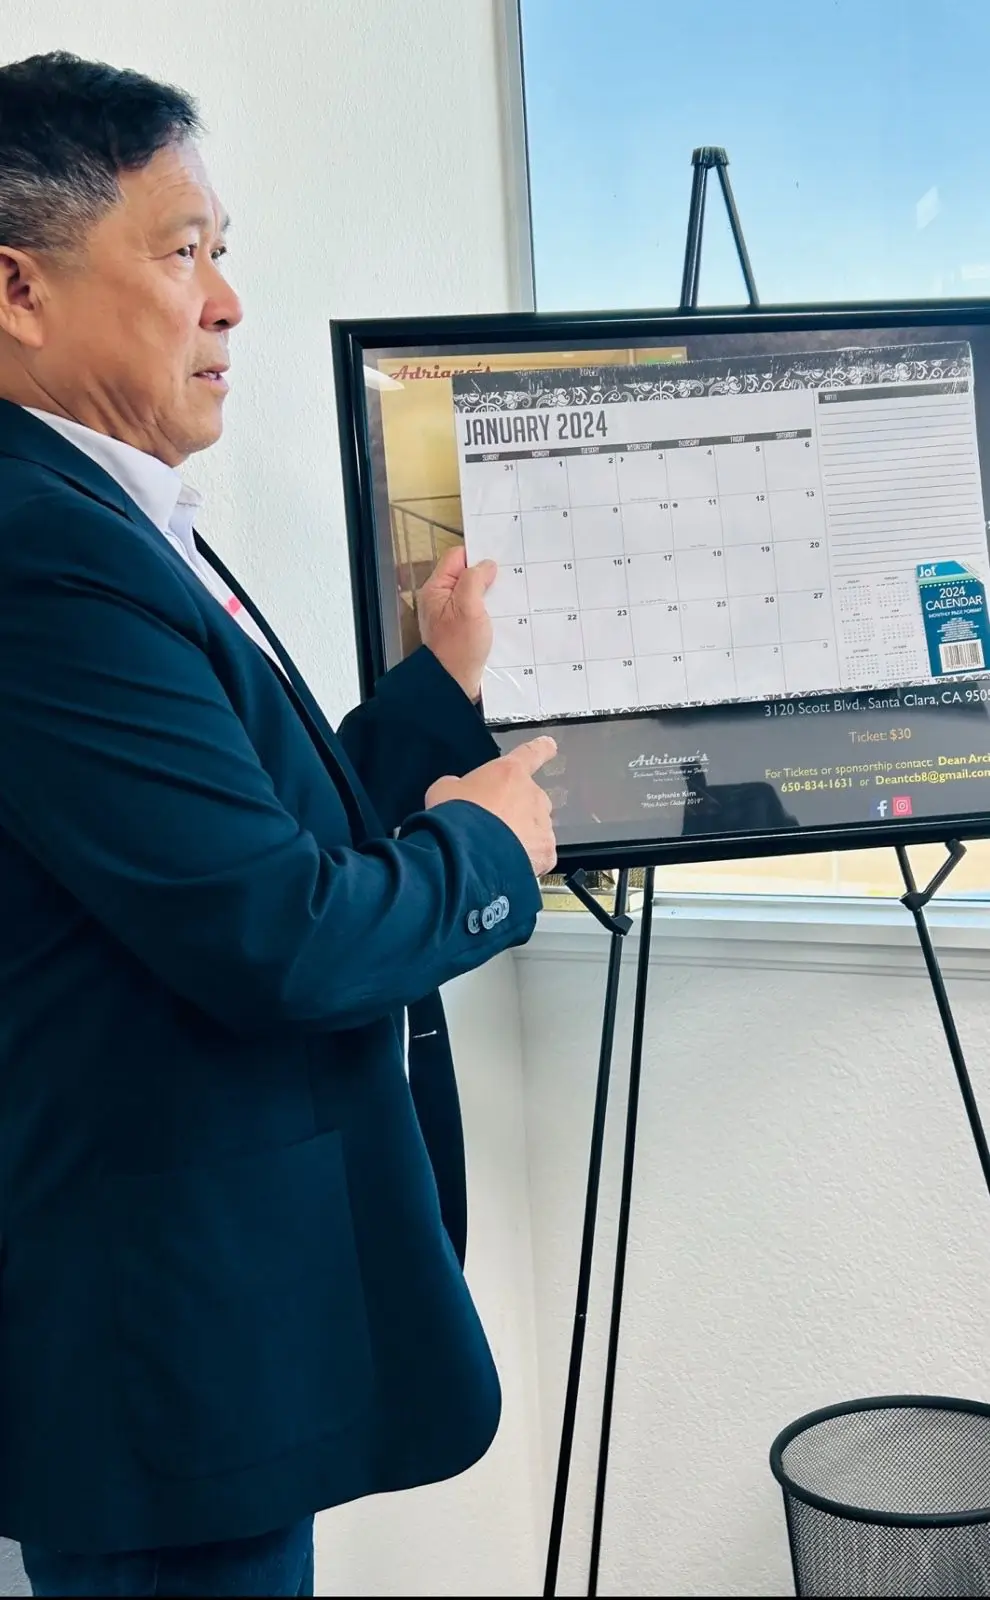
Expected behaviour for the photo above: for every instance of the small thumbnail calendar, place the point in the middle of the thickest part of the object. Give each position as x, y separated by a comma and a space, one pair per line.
723, 530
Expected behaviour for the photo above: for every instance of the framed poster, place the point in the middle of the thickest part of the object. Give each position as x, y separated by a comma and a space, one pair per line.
742, 560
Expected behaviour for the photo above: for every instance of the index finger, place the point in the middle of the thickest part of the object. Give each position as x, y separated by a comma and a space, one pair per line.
534, 754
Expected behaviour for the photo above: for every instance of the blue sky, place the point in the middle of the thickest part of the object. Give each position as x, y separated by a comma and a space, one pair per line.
858, 133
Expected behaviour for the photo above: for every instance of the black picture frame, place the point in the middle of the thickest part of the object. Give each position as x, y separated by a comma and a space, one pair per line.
376, 628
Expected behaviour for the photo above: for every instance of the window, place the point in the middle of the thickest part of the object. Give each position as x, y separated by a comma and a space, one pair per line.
856, 135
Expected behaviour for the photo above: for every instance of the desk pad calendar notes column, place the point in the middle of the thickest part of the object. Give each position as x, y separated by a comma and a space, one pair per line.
726, 529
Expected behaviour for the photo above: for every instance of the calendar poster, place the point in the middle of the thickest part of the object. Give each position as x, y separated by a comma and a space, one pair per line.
726, 530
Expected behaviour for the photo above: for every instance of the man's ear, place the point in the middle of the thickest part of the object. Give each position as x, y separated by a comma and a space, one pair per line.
22, 297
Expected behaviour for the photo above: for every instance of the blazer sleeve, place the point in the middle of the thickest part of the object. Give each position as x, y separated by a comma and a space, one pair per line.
125, 771
418, 726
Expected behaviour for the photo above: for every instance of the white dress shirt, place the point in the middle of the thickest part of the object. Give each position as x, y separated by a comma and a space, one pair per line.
168, 502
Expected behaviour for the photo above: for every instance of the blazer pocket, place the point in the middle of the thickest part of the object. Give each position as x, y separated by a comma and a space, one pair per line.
240, 1309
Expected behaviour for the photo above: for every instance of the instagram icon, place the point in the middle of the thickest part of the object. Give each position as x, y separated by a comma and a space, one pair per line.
901, 805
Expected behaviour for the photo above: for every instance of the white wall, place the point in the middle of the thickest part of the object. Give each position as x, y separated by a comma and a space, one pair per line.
340, 139
809, 1221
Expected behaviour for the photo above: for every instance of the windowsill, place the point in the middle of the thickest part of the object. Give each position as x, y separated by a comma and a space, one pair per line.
786, 933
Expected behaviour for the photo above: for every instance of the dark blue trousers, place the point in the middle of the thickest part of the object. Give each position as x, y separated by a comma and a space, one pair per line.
274, 1564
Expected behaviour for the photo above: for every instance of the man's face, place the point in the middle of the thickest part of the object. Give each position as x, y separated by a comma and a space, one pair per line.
130, 337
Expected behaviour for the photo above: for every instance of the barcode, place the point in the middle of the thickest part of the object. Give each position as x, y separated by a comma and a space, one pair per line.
968, 653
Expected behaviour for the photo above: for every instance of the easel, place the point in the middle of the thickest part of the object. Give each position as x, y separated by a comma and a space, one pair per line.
619, 924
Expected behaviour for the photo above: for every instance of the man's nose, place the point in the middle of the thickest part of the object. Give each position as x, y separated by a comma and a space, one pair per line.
223, 309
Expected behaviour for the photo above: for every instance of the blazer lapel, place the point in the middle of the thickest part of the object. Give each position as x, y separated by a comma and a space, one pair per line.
24, 438
364, 823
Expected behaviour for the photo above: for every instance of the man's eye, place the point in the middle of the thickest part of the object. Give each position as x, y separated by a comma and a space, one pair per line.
188, 252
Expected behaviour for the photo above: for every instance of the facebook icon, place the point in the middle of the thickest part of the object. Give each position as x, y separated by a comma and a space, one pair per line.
879, 808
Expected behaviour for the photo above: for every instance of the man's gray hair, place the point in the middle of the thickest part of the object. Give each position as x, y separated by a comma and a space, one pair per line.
68, 129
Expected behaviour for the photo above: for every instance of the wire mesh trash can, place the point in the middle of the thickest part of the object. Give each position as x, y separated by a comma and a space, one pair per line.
888, 1496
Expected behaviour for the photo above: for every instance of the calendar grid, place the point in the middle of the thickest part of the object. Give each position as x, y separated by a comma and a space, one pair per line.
678, 550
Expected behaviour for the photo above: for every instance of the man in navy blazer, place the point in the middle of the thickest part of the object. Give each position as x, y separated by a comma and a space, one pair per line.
231, 1211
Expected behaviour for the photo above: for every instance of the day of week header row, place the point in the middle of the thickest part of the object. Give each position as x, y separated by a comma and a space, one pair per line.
638, 446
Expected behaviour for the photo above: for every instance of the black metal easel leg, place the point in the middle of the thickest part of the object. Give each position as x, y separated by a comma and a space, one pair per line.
703, 160
622, 1237
915, 900
695, 227
737, 234
620, 925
